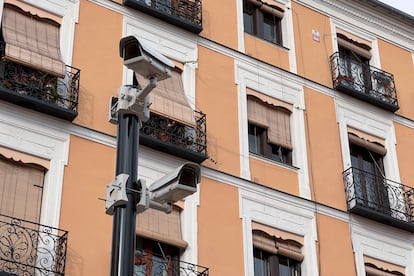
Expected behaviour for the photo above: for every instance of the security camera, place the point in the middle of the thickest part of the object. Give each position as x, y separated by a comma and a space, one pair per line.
144, 60
176, 185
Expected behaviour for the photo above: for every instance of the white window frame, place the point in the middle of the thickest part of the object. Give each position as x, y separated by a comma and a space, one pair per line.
274, 83
288, 41
280, 214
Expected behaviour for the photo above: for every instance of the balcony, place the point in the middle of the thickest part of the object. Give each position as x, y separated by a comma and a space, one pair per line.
28, 248
40, 91
172, 137
185, 14
364, 82
152, 264
379, 199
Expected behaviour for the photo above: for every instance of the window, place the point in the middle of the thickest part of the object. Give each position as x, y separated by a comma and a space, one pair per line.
269, 130
367, 163
354, 63
275, 256
263, 20
155, 258
21, 188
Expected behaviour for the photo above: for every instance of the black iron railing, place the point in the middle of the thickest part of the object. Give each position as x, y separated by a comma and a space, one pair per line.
379, 198
183, 13
363, 81
28, 248
152, 264
39, 90
189, 142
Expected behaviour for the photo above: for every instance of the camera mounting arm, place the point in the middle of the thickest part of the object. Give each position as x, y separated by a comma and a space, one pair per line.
132, 100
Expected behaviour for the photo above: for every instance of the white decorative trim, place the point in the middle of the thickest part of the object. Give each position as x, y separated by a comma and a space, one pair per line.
359, 32
25, 133
394, 248
371, 120
273, 84
356, 15
265, 209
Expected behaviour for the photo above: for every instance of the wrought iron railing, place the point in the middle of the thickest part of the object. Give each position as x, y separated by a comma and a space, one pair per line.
30, 82
156, 265
28, 248
184, 13
379, 195
170, 131
363, 81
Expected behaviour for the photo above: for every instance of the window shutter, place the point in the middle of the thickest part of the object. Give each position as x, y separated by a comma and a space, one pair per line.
358, 48
275, 118
274, 245
169, 100
269, 6
376, 267
32, 41
159, 226
279, 127
373, 270
21, 187
257, 112
374, 147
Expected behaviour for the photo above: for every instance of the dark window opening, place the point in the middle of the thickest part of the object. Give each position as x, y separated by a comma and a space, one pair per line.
371, 188
261, 24
258, 144
267, 264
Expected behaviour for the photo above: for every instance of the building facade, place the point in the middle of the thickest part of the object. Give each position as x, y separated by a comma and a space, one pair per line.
298, 111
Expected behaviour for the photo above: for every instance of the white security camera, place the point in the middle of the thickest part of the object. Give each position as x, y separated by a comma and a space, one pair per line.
144, 60
176, 185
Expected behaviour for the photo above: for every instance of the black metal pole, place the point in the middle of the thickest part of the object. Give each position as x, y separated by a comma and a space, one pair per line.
123, 229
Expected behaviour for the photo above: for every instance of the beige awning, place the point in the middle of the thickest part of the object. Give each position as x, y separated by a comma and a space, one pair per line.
366, 144
159, 226
358, 48
269, 6
275, 118
169, 100
274, 245
32, 41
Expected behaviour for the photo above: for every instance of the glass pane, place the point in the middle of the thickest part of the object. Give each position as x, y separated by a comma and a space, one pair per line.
248, 23
269, 32
254, 139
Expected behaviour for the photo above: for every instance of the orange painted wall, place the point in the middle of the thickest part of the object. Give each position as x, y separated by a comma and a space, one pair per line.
335, 247
312, 58
217, 97
266, 51
274, 176
90, 168
220, 229
96, 53
324, 150
399, 62
220, 22
405, 145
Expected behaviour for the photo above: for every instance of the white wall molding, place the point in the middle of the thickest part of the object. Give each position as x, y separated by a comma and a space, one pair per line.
358, 15
395, 248
375, 122
269, 211
26, 134
272, 84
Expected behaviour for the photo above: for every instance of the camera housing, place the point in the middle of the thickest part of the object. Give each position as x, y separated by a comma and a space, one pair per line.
143, 59
176, 185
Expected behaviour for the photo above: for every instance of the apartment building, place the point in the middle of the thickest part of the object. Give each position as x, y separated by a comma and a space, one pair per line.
299, 113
